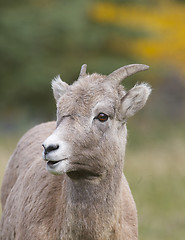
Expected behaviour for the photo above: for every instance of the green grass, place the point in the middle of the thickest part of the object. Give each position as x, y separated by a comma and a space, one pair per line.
155, 169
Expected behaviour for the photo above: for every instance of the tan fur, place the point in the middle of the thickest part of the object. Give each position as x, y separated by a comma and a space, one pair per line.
39, 205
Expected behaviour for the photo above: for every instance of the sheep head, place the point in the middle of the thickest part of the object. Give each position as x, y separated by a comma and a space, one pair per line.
90, 137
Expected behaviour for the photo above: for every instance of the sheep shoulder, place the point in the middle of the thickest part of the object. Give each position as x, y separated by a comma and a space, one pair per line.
29, 175
28, 149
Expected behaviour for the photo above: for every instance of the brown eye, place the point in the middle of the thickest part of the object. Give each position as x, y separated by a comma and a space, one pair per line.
102, 117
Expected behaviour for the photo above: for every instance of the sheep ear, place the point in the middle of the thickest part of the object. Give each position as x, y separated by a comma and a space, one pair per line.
59, 87
134, 100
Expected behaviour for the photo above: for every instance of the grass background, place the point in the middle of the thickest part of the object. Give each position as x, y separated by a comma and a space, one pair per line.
155, 169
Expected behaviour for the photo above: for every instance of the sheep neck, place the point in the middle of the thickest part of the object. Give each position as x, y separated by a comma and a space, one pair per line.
90, 212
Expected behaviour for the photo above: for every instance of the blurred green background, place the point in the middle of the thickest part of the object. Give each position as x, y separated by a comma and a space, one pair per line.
40, 39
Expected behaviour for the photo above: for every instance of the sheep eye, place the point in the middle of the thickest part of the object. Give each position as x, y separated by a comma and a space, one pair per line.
102, 117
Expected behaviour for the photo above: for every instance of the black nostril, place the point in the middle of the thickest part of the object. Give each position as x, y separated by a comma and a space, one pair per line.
50, 148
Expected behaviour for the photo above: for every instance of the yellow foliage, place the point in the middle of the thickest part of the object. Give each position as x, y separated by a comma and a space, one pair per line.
164, 23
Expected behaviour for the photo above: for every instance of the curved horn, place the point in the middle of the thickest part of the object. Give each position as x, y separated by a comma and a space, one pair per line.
123, 72
83, 70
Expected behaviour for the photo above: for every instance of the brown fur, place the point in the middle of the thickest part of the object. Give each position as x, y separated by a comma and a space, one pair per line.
39, 205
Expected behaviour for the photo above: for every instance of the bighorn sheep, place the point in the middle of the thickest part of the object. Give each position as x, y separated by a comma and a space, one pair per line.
87, 196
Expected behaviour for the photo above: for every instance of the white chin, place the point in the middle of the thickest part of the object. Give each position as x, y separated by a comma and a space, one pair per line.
58, 168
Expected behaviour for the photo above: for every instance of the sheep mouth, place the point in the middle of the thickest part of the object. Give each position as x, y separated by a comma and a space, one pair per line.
53, 164
75, 171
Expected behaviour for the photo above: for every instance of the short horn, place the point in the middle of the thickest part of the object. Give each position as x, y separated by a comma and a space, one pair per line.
123, 72
83, 70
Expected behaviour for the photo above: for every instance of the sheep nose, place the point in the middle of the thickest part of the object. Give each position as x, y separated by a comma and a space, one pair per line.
50, 148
